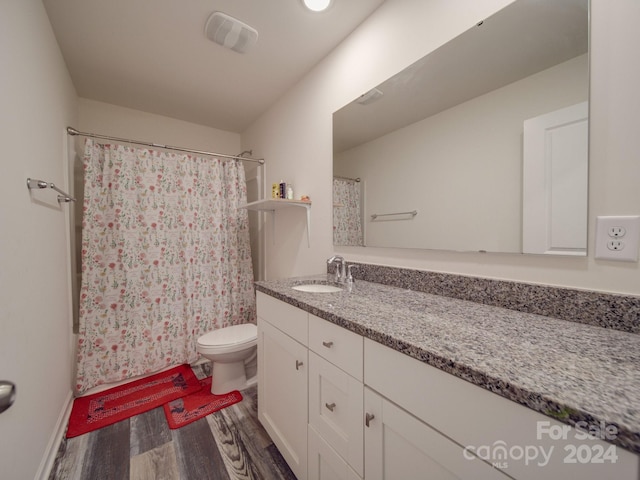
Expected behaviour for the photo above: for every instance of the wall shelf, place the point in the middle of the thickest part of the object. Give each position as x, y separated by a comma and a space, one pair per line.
273, 204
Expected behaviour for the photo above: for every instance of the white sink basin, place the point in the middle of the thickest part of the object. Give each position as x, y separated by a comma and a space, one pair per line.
317, 288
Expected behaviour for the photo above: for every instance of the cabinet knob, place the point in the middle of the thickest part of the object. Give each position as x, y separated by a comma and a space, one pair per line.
368, 417
327, 344
330, 406
299, 364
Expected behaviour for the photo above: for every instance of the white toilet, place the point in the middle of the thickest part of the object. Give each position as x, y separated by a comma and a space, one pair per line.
229, 349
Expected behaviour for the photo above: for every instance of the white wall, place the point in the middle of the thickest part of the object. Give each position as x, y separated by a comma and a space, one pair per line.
468, 194
112, 120
38, 101
295, 138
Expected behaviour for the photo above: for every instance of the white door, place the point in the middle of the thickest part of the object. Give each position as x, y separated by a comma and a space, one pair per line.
282, 394
555, 178
398, 445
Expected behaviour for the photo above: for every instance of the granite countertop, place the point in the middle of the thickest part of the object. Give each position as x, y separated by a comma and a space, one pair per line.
570, 371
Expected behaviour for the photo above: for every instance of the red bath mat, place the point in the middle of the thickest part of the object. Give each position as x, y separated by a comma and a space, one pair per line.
183, 411
105, 408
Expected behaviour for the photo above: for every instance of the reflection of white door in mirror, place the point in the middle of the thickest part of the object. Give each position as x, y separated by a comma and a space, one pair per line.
555, 177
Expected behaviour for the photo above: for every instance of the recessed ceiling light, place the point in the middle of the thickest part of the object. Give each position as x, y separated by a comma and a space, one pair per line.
317, 5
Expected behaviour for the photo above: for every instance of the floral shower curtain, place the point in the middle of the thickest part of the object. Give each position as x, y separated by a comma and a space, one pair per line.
165, 259
347, 223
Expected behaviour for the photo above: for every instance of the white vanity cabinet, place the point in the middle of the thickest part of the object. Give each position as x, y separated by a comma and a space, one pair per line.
282, 379
342, 407
310, 391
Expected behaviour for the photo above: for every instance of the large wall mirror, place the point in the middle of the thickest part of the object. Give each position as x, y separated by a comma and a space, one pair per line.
482, 145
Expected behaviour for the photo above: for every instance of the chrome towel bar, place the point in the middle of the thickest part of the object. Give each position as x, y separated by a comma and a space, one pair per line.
62, 198
376, 215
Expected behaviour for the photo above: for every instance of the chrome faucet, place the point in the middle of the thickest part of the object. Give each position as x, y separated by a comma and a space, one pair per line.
341, 268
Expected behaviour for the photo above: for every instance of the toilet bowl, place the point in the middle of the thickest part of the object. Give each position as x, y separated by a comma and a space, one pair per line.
229, 349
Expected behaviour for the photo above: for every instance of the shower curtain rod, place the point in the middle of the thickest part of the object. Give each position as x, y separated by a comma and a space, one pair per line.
347, 178
73, 132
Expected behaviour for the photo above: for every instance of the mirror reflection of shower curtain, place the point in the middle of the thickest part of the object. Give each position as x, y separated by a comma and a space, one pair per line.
347, 213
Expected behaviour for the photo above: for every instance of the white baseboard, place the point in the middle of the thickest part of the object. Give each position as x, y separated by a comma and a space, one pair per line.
54, 441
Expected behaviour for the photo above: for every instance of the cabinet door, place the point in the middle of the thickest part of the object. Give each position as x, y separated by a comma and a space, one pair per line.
335, 409
398, 445
282, 394
325, 463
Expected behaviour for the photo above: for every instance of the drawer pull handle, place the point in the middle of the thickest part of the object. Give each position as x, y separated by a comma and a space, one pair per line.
298, 364
368, 417
327, 344
330, 406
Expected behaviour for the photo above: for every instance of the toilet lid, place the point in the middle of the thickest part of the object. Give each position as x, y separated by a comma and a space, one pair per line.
233, 335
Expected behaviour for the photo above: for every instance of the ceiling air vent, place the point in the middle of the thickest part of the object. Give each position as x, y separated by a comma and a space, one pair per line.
230, 32
369, 97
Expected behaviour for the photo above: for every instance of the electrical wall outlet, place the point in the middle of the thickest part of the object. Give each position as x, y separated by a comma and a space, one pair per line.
617, 231
615, 245
618, 238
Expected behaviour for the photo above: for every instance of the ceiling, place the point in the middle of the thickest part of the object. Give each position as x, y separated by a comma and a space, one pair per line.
152, 55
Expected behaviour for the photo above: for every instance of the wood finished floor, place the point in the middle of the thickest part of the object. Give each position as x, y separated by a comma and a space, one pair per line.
228, 444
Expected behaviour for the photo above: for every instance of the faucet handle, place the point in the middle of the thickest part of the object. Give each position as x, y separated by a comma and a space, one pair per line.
349, 276
336, 275
340, 271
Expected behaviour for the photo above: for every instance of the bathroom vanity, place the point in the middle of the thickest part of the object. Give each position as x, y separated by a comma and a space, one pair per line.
383, 382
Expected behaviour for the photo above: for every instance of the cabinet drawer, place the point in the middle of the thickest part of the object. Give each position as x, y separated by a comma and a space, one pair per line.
337, 345
291, 320
335, 409
324, 461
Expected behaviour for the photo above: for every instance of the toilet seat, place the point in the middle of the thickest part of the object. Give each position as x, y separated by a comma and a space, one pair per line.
228, 339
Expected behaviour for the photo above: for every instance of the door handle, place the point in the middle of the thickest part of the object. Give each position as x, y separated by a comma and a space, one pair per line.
330, 406
299, 364
327, 344
7, 394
